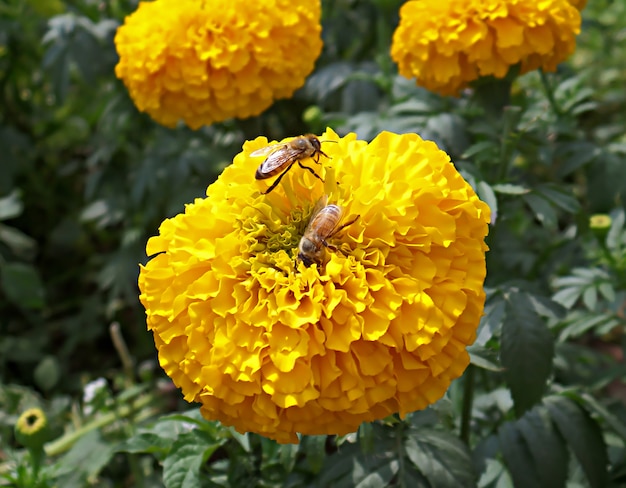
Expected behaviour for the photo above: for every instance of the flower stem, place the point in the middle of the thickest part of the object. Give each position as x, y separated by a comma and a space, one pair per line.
468, 401
549, 92
67, 441
122, 352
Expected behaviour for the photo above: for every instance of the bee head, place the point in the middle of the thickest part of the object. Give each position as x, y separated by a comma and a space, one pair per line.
306, 260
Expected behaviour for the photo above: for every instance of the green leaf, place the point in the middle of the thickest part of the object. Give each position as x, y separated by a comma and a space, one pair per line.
508, 189
580, 322
484, 358
542, 209
47, 373
314, 449
478, 148
568, 296
495, 475
583, 436
614, 236
149, 443
486, 194
517, 456
181, 468
87, 457
561, 197
367, 440
22, 285
21, 245
590, 298
575, 155
491, 322
611, 420
546, 447
441, 457
527, 351
350, 467
11, 205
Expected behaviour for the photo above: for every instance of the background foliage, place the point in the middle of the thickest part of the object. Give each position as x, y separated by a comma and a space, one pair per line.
85, 179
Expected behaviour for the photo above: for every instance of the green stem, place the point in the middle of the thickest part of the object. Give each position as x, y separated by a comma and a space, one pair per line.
549, 92
468, 401
67, 441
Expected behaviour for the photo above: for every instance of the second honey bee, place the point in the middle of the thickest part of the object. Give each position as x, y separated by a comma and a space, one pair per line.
282, 156
323, 224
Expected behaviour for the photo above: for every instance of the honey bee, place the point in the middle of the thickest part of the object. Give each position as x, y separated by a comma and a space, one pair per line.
323, 225
282, 156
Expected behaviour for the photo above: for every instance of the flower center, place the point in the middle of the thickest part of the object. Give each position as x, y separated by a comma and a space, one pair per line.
272, 241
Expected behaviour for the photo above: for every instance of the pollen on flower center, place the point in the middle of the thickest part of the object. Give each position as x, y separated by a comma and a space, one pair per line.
271, 240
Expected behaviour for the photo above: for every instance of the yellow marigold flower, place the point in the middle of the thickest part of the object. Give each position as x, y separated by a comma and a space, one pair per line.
447, 44
579, 4
206, 61
276, 348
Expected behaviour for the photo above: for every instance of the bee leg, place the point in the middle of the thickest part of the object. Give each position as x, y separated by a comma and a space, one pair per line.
276, 181
343, 226
330, 247
319, 154
310, 170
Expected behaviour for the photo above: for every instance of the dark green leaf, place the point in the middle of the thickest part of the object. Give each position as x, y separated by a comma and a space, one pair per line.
517, 456
527, 351
441, 457
575, 155
484, 358
47, 373
84, 460
21, 245
561, 197
181, 468
314, 449
22, 285
546, 447
542, 209
149, 443
611, 420
583, 436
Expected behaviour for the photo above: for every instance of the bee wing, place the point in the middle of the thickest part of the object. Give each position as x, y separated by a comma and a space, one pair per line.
278, 158
319, 205
264, 151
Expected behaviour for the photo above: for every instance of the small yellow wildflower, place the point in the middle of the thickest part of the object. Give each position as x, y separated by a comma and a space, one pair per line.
31, 428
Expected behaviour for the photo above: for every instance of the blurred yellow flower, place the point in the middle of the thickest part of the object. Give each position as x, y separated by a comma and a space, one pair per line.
276, 348
205, 61
31, 428
445, 44
600, 221
579, 4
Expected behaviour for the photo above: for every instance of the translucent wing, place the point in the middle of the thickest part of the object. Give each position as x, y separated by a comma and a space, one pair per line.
319, 205
279, 158
264, 151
